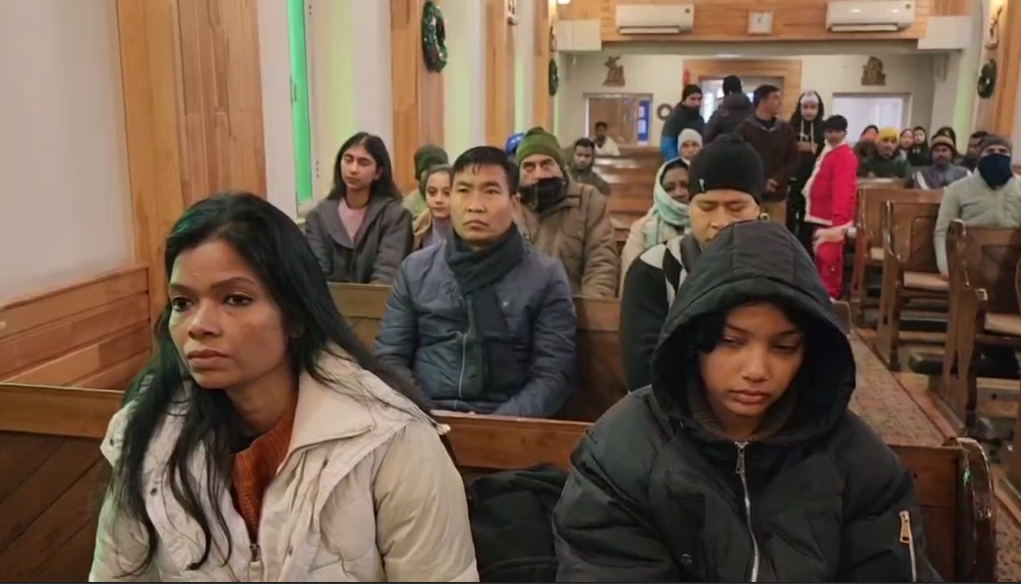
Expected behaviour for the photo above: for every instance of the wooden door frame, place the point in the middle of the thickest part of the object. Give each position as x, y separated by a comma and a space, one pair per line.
611, 94
787, 69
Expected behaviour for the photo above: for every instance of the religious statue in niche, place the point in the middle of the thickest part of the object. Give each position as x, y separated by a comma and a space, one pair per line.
993, 37
512, 12
614, 73
872, 72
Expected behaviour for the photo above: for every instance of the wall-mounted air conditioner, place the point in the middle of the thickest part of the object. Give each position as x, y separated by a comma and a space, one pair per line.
639, 19
869, 15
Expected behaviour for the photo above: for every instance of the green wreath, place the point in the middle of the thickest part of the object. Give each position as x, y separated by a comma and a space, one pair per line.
987, 79
554, 77
434, 37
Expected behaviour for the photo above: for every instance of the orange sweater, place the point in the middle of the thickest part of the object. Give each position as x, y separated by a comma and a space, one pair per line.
256, 466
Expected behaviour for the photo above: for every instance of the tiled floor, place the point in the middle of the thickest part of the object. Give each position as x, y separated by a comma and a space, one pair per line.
900, 409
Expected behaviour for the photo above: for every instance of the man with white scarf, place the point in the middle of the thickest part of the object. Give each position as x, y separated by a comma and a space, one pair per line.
829, 204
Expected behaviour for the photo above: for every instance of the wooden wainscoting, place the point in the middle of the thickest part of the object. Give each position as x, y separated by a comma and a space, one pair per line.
727, 20
787, 69
93, 333
51, 480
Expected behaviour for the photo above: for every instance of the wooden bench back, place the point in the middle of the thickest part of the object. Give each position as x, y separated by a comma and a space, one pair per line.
985, 258
953, 482
600, 377
872, 184
907, 228
870, 208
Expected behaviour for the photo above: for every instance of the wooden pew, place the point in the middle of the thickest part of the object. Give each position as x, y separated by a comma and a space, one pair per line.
51, 479
909, 267
600, 379
868, 239
984, 312
629, 199
953, 482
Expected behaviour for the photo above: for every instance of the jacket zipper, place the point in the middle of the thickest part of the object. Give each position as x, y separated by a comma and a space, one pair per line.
464, 350
255, 564
740, 470
907, 538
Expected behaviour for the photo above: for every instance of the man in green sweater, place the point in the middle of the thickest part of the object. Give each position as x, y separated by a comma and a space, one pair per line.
990, 197
886, 162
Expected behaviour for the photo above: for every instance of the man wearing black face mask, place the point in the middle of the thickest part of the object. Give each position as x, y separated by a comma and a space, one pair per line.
566, 219
991, 197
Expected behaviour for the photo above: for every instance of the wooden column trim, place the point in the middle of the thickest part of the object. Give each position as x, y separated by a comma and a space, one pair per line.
499, 74
418, 112
148, 71
1004, 99
193, 113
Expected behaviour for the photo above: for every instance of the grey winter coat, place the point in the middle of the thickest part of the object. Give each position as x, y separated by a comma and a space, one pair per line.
426, 333
372, 255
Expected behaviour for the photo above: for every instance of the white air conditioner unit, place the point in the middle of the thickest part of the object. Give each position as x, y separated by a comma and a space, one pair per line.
640, 19
869, 15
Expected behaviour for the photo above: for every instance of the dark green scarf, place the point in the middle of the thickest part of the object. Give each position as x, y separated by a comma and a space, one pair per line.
477, 273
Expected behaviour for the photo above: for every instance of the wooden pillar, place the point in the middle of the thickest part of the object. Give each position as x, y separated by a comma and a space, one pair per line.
499, 73
418, 112
996, 114
193, 112
542, 101
220, 98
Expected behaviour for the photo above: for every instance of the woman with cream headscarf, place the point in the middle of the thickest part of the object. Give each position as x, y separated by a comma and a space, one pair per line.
667, 218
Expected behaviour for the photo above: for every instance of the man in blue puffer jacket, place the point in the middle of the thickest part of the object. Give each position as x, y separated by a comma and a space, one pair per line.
483, 322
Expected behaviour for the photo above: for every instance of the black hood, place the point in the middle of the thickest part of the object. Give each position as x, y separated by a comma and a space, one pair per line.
748, 261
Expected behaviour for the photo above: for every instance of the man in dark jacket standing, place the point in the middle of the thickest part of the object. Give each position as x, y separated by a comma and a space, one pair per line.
742, 462
736, 108
776, 141
686, 115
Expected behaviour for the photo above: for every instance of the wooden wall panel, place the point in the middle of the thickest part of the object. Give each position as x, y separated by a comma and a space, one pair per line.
951, 7
727, 20
996, 114
542, 101
499, 74
220, 98
50, 488
94, 333
787, 69
52, 476
193, 112
418, 111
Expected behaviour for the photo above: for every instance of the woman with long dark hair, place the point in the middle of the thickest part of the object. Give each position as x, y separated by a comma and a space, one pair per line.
263, 442
361, 233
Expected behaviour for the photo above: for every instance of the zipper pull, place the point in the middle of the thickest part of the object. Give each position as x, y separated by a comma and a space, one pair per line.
905, 527
255, 551
740, 457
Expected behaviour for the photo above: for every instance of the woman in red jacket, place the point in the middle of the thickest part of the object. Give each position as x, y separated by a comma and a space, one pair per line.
829, 211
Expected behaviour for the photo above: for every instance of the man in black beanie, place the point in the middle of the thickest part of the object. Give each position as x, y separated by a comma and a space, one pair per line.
725, 184
735, 109
686, 114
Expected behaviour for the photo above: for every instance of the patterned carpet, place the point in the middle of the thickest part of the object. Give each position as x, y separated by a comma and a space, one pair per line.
888, 408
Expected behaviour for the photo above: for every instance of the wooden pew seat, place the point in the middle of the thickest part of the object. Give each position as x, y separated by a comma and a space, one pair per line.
1003, 324
925, 281
953, 482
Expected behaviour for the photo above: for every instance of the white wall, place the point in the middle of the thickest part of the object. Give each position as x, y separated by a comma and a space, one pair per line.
661, 76
464, 77
65, 204
277, 118
349, 82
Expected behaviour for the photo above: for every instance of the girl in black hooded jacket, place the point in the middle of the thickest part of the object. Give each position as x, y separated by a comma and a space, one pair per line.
742, 463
